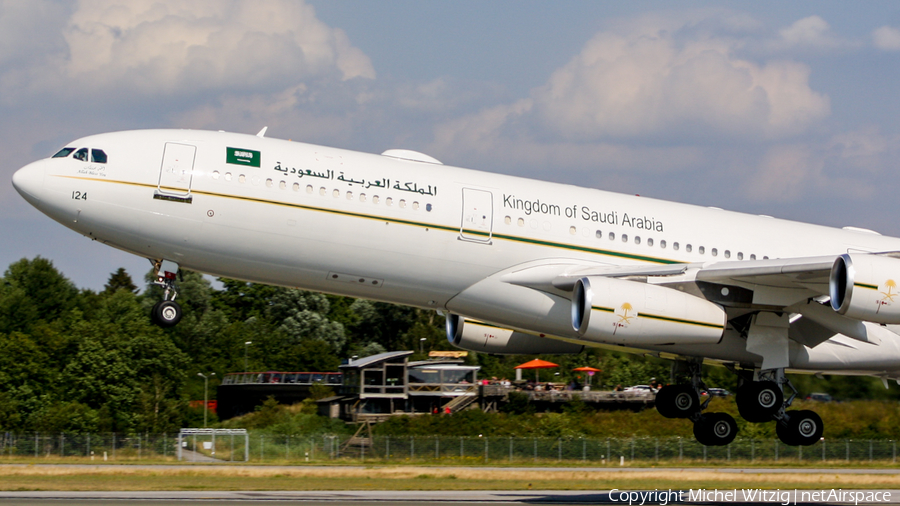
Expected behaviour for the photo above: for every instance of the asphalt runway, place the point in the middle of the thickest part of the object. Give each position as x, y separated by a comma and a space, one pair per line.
386, 498
406, 498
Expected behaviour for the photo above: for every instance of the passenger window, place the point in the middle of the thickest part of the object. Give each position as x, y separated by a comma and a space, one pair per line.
624, 237
688, 248
650, 242
637, 239
98, 156
64, 152
702, 249
662, 244
675, 246
81, 154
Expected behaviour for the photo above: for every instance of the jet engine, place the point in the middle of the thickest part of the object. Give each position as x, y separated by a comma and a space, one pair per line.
618, 311
865, 287
474, 335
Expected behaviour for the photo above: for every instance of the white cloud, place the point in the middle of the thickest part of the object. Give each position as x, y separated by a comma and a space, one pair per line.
812, 31
151, 48
887, 38
656, 84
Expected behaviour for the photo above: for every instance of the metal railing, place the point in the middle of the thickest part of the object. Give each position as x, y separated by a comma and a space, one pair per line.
263, 448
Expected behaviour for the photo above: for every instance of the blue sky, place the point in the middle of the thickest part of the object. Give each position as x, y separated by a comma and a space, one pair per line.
780, 108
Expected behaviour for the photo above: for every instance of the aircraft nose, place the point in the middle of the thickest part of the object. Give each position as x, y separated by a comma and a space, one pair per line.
28, 181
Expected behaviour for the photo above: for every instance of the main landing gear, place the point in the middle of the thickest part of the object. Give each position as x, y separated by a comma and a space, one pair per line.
683, 401
759, 400
166, 313
763, 400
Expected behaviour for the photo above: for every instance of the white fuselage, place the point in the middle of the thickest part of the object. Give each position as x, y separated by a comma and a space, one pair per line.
397, 230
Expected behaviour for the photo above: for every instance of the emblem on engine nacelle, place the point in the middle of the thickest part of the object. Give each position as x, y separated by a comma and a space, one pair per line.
889, 295
624, 316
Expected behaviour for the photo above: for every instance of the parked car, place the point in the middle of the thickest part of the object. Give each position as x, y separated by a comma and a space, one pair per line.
819, 396
718, 392
640, 388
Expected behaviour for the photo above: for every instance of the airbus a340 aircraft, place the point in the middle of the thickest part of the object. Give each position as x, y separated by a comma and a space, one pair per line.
517, 265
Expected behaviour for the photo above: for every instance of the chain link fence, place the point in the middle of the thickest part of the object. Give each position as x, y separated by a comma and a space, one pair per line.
269, 448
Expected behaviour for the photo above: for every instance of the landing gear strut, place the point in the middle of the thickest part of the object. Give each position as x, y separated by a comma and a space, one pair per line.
763, 400
683, 401
166, 313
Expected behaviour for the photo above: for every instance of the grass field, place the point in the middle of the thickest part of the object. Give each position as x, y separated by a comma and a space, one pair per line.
128, 478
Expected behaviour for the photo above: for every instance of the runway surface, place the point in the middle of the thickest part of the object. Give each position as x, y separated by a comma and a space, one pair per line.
365, 498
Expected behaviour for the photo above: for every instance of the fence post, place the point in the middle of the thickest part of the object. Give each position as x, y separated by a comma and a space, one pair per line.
680, 449
262, 446
287, 448
139, 447
62, 445
510, 448
362, 452
485, 450
535, 448
87, 452
412, 448
848, 450
657, 449
437, 446
608, 452
232, 448
165, 444
583, 450
559, 449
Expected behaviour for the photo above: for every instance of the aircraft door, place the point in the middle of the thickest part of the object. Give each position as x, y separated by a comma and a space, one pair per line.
177, 169
477, 216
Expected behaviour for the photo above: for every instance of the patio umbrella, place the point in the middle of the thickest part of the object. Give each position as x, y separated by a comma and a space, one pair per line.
537, 364
589, 370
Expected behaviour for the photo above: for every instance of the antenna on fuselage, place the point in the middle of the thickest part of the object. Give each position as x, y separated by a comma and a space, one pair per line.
262, 133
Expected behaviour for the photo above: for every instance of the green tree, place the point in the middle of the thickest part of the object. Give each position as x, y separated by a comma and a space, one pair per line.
119, 280
33, 291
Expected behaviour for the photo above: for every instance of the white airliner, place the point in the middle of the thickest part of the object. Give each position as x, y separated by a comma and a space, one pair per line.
517, 265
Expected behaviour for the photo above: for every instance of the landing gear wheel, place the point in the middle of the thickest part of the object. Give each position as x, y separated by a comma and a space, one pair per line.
803, 428
677, 401
757, 401
715, 429
166, 313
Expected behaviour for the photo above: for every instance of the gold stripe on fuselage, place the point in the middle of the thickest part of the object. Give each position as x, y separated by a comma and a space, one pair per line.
511, 238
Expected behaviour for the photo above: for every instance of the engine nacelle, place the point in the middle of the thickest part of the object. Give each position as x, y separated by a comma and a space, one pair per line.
486, 338
865, 287
617, 311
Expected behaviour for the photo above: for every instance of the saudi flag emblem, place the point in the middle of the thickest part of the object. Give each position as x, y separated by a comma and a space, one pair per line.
238, 156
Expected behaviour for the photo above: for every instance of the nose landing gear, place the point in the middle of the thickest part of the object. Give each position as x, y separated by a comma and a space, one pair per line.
166, 313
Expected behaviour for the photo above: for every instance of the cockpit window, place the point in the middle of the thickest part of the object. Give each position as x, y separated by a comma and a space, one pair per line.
98, 156
81, 154
64, 152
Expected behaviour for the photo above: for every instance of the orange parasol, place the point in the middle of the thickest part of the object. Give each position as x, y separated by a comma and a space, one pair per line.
536, 364
589, 370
